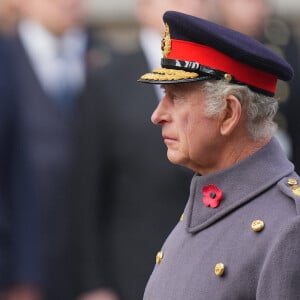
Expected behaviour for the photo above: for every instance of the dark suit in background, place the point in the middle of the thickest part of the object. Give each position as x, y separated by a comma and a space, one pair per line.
47, 134
46, 130
19, 218
129, 195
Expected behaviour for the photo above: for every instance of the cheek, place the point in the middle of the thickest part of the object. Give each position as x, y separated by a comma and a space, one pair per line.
187, 131
190, 135
201, 135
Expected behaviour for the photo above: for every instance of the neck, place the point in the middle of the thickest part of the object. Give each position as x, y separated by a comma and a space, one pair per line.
232, 153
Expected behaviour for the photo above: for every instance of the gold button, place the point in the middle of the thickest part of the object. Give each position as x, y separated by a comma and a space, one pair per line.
181, 217
257, 225
228, 77
292, 181
219, 269
159, 257
296, 190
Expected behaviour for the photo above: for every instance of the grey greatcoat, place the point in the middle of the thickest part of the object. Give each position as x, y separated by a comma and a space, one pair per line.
263, 264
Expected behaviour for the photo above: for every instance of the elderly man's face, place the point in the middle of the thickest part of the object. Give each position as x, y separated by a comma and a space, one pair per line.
192, 138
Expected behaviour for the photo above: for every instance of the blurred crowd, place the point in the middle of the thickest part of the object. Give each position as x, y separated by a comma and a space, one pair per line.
87, 195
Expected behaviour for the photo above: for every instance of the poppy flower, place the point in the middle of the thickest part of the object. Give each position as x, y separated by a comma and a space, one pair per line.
212, 195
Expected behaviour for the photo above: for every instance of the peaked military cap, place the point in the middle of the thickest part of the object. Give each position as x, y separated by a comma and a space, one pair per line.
195, 49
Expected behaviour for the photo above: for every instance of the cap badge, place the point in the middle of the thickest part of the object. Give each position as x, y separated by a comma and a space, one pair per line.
212, 195
166, 42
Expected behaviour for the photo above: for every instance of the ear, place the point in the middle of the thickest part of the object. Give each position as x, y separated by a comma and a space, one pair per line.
230, 117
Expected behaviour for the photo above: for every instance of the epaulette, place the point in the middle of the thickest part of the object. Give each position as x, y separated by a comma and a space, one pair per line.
290, 186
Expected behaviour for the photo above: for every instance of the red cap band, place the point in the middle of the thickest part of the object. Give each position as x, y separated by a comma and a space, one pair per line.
209, 57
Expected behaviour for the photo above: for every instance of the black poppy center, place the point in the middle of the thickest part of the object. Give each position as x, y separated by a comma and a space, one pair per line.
213, 195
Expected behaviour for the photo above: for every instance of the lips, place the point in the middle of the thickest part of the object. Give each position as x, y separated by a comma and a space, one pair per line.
168, 139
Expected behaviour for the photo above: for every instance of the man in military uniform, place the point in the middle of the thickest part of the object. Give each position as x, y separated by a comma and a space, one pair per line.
238, 236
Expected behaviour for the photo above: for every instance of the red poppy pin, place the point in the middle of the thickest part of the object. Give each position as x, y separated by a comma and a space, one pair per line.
212, 195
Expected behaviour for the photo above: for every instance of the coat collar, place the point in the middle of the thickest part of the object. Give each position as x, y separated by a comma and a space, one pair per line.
239, 183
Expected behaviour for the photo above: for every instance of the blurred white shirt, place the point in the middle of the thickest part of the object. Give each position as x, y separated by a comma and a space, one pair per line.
55, 60
150, 41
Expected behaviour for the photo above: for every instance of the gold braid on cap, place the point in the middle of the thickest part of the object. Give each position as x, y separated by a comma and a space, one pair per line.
166, 42
169, 74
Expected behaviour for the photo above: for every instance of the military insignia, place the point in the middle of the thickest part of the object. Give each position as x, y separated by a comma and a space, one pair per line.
166, 42
212, 195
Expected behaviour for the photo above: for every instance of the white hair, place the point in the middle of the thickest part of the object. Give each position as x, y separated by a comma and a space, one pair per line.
260, 109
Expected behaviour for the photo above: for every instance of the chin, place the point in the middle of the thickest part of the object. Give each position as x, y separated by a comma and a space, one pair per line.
176, 159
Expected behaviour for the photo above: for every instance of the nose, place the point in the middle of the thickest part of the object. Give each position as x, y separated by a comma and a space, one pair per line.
160, 114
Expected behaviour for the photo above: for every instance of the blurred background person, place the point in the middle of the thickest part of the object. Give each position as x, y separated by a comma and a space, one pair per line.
48, 60
128, 196
9, 14
20, 264
20, 248
257, 19
248, 16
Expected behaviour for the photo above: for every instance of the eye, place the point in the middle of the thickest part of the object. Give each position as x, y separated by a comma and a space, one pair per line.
173, 94
169, 93
176, 96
